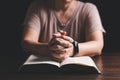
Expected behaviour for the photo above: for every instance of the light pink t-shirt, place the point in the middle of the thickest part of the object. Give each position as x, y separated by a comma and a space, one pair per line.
84, 21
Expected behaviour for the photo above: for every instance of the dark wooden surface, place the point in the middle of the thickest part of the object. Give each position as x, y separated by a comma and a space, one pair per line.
109, 64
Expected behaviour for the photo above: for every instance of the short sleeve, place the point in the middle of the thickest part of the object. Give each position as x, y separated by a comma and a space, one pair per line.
32, 19
92, 19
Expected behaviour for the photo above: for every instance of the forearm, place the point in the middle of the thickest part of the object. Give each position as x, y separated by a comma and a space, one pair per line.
90, 48
35, 48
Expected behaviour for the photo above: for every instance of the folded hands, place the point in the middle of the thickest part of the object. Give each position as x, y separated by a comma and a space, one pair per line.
60, 46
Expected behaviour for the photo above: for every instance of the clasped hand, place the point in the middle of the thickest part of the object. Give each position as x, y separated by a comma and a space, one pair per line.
61, 46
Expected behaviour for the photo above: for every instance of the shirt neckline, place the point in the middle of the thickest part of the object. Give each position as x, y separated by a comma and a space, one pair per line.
68, 22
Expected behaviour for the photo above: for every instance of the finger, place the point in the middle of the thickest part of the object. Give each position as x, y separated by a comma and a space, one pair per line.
69, 51
64, 43
54, 56
56, 48
58, 57
68, 38
52, 42
61, 55
64, 54
55, 41
61, 42
62, 32
57, 35
59, 51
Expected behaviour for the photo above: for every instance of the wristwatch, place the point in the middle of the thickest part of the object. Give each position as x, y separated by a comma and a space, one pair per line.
76, 47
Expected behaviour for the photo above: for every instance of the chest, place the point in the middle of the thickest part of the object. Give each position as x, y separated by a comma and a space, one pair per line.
63, 17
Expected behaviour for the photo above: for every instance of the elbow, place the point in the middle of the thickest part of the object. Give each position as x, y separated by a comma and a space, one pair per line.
99, 49
99, 52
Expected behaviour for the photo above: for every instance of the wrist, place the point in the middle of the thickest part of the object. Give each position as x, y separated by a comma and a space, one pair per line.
75, 48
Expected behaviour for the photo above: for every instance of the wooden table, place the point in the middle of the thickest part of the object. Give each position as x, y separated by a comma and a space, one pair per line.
109, 64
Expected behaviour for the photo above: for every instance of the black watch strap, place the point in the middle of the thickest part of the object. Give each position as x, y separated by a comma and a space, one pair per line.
76, 48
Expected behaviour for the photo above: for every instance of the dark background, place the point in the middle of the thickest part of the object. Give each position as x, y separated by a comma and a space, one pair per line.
12, 14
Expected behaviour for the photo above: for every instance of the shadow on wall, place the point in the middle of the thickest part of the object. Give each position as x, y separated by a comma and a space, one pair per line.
12, 15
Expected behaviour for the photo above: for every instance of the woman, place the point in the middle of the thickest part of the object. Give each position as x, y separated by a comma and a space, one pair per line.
63, 28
